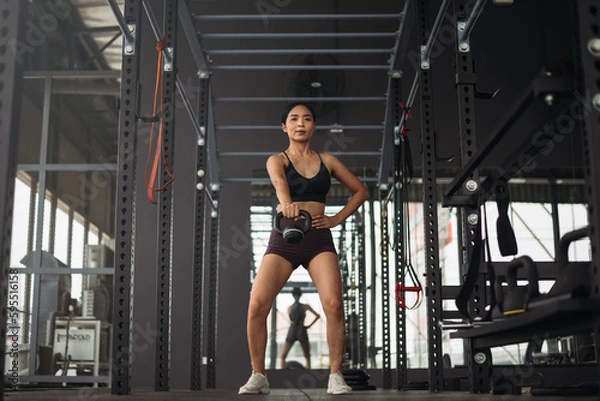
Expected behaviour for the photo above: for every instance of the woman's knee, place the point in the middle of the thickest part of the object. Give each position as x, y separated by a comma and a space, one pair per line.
258, 309
333, 307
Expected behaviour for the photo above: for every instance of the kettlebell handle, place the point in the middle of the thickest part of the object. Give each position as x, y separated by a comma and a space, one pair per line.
562, 255
531, 272
307, 222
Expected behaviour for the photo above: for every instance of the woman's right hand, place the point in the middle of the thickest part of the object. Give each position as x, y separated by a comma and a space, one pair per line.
289, 210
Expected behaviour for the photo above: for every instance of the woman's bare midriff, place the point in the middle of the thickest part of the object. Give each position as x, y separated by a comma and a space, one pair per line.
313, 208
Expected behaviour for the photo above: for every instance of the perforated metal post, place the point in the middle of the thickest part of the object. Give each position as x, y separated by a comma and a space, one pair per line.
12, 17
213, 292
199, 246
430, 219
479, 367
467, 129
373, 284
399, 200
385, 300
362, 287
399, 227
165, 205
344, 271
125, 209
588, 13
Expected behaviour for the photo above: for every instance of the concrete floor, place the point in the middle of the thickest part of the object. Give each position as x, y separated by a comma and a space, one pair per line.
103, 394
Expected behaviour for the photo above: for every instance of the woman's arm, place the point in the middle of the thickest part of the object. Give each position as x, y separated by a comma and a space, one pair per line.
276, 170
360, 193
314, 312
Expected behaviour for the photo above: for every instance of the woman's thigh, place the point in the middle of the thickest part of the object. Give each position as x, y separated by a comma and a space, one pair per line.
273, 273
325, 273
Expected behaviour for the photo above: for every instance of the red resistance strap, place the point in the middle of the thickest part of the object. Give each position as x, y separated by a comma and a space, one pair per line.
160, 141
401, 289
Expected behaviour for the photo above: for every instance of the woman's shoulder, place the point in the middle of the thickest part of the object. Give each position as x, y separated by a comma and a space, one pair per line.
330, 160
326, 156
277, 159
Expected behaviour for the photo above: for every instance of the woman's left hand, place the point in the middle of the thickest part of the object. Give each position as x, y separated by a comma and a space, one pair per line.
323, 221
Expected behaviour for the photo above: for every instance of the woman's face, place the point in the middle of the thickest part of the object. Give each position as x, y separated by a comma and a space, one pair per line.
299, 124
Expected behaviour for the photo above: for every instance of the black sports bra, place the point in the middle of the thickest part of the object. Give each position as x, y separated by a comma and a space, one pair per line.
304, 189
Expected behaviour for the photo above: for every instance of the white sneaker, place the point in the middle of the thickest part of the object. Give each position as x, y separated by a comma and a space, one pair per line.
256, 384
337, 384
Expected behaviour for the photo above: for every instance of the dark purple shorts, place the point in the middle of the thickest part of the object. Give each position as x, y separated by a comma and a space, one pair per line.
314, 242
295, 333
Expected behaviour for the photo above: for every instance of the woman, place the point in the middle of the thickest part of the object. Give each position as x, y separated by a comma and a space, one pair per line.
298, 331
301, 178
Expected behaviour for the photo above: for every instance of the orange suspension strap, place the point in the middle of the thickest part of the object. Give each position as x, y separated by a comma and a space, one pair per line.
160, 141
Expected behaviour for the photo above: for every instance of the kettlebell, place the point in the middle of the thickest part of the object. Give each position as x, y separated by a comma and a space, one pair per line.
516, 299
293, 234
572, 280
499, 292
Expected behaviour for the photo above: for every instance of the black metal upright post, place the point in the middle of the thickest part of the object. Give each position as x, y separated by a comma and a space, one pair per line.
344, 270
362, 287
213, 244
478, 361
165, 203
385, 299
399, 228
213, 292
126, 199
13, 14
588, 15
199, 245
373, 286
430, 203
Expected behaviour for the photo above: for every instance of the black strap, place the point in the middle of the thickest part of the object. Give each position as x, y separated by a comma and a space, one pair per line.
507, 241
466, 291
462, 299
408, 162
490, 267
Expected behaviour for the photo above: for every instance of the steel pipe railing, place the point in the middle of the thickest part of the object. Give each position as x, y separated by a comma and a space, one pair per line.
246, 17
306, 99
299, 67
470, 24
277, 127
299, 35
265, 154
434, 31
120, 20
246, 52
